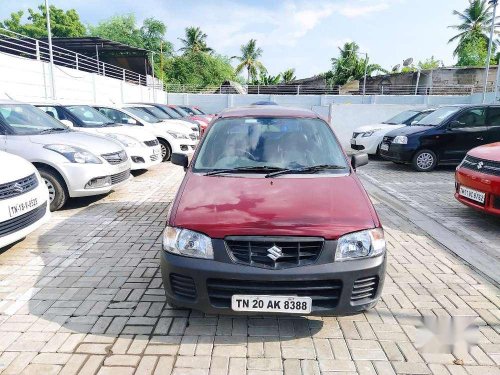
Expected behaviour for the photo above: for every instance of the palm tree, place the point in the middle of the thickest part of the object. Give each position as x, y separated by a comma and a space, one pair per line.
195, 41
249, 59
476, 21
288, 75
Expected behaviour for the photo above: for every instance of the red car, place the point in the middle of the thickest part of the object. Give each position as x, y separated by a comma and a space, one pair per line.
271, 218
478, 179
201, 120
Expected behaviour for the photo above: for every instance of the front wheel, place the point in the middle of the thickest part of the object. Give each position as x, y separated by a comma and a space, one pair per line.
58, 195
424, 161
166, 150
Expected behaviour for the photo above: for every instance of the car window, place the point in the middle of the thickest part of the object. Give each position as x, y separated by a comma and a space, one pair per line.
118, 117
24, 119
493, 116
401, 118
170, 112
89, 116
143, 115
52, 112
180, 111
420, 116
472, 118
189, 111
156, 112
276, 142
439, 116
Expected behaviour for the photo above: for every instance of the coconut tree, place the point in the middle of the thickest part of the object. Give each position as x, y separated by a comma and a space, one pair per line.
195, 41
249, 60
475, 23
288, 75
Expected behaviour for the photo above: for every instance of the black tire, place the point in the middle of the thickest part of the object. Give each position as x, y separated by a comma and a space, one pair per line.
58, 194
424, 161
166, 150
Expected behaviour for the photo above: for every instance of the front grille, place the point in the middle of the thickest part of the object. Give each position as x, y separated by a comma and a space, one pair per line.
481, 165
18, 187
325, 294
193, 136
365, 288
274, 253
152, 143
120, 177
183, 286
23, 221
115, 157
388, 139
154, 157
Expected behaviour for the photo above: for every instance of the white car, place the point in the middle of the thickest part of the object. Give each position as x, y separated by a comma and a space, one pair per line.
173, 135
141, 145
24, 199
71, 163
368, 138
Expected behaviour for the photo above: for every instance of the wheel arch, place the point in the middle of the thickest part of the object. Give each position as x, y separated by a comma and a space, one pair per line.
42, 165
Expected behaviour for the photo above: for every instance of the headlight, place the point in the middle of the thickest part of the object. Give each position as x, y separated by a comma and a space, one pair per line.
370, 133
74, 154
187, 243
400, 140
363, 244
125, 140
177, 135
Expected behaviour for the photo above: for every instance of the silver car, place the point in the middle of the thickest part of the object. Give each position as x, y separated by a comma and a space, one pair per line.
71, 163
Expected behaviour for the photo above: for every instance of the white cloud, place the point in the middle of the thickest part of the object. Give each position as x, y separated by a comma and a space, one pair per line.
352, 11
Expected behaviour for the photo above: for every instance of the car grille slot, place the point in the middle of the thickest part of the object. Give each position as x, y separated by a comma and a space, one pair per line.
482, 165
154, 157
325, 294
290, 253
152, 143
193, 136
23, 221
365, 288
120, 177
115, 157
388, 139
18, 187
183, 286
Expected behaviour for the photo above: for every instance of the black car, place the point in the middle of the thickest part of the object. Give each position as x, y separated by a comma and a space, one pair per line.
443, 137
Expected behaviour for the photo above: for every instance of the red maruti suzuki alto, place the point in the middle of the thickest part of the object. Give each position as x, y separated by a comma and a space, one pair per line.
271, 218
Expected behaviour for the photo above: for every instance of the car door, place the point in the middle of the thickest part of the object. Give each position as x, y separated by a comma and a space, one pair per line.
493, 123
466, 131
3, 137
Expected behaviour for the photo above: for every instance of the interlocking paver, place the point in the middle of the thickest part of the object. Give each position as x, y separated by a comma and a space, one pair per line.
83, 295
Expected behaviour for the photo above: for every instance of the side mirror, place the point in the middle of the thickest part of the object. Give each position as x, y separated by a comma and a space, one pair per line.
180, 159
131, 121
413, 122
454, 124
358, 160
68, 123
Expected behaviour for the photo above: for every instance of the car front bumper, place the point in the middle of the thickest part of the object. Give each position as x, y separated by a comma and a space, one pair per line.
201, 278
485, 183
143, 157
398, 152
366, 144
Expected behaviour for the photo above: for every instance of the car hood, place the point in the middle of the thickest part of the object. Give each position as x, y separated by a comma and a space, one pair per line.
94, 143
487, 152
177, 125
367, 128
130, 130
321, 206
15, 168
409, 130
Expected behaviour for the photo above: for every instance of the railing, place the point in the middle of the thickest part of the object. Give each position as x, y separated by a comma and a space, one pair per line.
17, 44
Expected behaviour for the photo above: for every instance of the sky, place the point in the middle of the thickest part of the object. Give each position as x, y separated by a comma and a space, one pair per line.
300, 34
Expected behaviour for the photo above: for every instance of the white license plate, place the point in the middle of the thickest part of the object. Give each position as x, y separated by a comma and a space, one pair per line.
475, 195
384, 146
273, 304
22, 207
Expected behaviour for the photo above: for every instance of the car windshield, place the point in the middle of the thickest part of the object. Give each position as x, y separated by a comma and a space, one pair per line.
198, 111
170, 112
143, 115
88, 116
24, 119
420, 116
270, 143
188, 110
401, 118
182, 112
438, 116
156, 112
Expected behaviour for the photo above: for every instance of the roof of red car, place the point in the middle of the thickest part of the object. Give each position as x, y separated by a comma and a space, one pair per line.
267, 111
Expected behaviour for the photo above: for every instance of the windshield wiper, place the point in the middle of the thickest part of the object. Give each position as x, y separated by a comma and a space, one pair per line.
311, 169
51, 130
258, 168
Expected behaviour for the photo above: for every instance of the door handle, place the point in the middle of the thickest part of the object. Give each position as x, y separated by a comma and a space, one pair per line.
480, 138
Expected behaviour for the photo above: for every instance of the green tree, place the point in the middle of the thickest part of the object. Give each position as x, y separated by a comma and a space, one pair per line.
428, 64
288, 75
62, 23
195, 41
249, 60
349, 66
265, 79
198, 69
473, 51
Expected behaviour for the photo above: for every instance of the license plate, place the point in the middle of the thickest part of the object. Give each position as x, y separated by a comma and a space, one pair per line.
273, 304
472, 194
384, 147
22, 207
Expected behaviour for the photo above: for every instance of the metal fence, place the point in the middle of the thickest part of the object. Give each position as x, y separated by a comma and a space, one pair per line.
20, 45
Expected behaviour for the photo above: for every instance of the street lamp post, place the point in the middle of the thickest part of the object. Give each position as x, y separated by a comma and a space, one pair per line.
492, 30
366, 71
51, 55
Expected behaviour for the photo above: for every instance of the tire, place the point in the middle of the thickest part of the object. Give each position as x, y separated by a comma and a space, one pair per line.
58, 194
424, 161
166, 150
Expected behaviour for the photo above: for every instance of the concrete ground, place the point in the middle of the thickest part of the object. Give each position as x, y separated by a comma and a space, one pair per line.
83, 295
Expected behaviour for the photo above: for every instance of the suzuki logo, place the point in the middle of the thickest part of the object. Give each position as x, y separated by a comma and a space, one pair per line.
274, 253
480, 165
17, 188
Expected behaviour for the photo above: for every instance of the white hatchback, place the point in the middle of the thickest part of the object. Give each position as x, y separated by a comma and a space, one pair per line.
24, 199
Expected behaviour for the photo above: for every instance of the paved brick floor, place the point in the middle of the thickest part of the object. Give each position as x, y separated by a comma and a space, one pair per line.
84, 295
